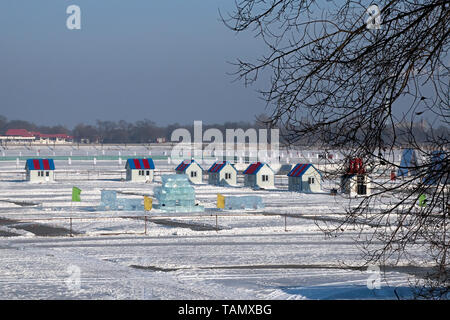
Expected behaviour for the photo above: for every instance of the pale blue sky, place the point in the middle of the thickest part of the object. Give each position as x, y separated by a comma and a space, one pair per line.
164, 60
132, 59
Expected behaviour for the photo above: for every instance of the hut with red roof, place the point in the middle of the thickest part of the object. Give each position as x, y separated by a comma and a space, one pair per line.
304, 177
222, 173
192, 169
40, 170
140, 170
259, 175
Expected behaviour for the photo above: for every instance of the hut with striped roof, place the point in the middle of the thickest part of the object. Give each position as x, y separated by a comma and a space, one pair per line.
304, 177
40, 170
140, 170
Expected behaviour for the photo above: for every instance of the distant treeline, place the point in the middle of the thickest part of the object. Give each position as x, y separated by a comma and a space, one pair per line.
147, 131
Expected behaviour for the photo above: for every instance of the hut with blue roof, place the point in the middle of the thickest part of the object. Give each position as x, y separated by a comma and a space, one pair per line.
40, 170
259, 175
222, 173
304, 177
140, 170
192, 169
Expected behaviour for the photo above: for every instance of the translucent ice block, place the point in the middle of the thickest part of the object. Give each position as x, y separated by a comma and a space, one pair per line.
244, 202
176, 194
109, 200
130, 204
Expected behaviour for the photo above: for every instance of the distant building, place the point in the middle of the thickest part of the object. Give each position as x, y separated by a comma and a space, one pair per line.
192, 169
259, 175
222, 173
58, 138
23, 135
17, 136
40, 170
161, 140
305, 178
140, 170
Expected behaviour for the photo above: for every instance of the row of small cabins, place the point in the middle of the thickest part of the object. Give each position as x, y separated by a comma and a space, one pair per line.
301, 178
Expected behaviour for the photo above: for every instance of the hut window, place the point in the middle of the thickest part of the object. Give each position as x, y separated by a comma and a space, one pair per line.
227, 176
193, 174
311, 180
265, 177
148, 172
47, 173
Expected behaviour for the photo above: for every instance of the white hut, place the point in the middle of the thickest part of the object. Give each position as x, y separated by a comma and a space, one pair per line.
259, 175
140, 170
40, 170
192, 169
222, 173
305, 178
355, 184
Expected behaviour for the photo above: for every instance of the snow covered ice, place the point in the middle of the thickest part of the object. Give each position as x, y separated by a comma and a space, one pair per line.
182, 255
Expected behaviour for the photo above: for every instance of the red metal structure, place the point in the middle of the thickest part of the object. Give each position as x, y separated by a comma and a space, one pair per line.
356, 166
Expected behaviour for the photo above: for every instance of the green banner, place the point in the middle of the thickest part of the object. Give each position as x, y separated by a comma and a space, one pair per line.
76, 192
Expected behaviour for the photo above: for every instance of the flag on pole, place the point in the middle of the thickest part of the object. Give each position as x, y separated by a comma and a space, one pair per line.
148, 202
422, 200
220, 201
76, 194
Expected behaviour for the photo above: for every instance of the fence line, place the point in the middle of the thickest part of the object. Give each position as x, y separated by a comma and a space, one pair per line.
146, 219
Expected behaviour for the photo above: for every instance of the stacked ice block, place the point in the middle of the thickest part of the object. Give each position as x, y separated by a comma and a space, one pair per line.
244, 202
176, 194
110, 202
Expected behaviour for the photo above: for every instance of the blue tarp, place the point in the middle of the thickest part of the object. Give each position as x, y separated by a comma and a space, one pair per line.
408, 162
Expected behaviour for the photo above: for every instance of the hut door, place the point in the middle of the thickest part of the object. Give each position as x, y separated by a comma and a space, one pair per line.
361, 187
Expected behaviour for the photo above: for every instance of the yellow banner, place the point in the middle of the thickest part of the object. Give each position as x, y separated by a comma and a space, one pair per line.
220, 201
148, 202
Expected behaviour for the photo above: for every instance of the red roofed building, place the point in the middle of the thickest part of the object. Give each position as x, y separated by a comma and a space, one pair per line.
23, 135
19, 133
